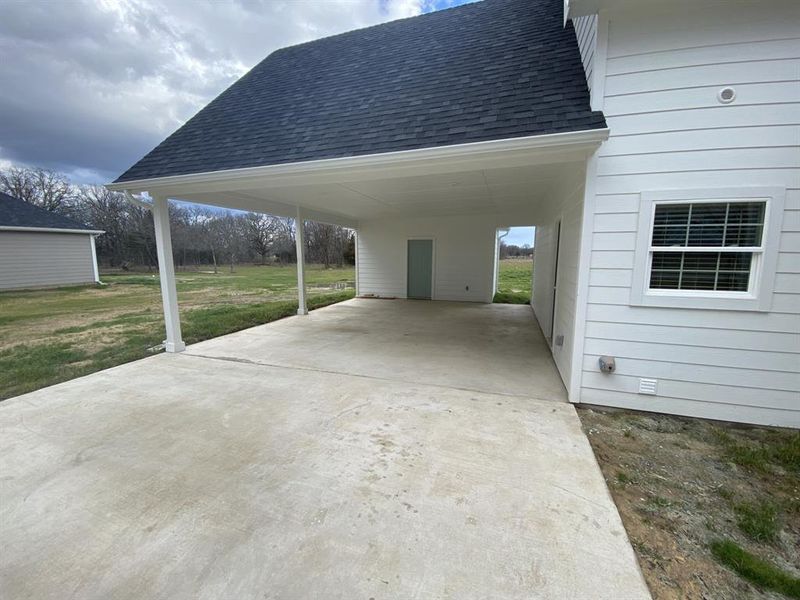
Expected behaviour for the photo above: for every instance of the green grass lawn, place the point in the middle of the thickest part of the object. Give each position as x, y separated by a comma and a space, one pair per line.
47, 336
514, 281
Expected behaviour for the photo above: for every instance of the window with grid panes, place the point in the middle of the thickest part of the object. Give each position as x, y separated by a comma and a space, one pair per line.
708, 246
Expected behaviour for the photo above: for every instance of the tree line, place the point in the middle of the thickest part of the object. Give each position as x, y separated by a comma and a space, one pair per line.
514, 251
200, 235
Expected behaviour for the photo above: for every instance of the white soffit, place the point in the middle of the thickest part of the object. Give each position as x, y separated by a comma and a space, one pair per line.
486, 177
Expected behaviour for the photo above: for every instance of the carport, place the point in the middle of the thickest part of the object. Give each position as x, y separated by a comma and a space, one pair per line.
425, 135
372, 449
460, 193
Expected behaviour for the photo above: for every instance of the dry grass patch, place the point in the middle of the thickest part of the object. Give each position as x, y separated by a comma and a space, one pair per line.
48, 336
712, 510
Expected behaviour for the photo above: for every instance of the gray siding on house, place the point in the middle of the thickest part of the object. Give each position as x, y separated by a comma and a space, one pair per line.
38, 259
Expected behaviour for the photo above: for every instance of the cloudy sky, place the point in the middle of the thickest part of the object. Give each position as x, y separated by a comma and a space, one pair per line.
88, 87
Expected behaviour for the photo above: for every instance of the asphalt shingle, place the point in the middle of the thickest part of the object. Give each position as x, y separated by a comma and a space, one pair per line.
489, 70
18, 213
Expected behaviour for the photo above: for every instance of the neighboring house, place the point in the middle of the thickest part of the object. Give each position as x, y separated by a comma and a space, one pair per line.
653, 143
39, 248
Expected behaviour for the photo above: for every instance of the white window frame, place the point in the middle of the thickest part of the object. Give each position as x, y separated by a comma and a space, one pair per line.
758, 296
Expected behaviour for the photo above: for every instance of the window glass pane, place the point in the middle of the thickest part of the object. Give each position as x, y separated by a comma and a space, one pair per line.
709, 214
743, 235
667, 260
700, 261
735, 261
664, 280
706, 235
672, 214
669, 235
697, 280
720, 271
717, 224
733, 282
746, 213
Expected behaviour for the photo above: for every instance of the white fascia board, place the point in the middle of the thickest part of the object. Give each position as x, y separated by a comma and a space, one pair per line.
581, 8
50, 230
299, 172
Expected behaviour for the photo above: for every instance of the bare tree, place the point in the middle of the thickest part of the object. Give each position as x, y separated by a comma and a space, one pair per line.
229, 232
47, 189
326, 243
262, 231
199, 235
109, 212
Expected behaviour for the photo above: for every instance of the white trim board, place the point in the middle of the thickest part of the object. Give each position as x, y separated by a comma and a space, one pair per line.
760, 299
582, 287
456, 156
597, 93
50, 230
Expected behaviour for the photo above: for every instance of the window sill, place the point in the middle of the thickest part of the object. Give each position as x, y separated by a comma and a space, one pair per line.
743, 302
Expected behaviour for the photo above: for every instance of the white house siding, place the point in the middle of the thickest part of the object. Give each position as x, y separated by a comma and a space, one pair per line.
668, 131
586, 32
463, 256
37, 259
566, 206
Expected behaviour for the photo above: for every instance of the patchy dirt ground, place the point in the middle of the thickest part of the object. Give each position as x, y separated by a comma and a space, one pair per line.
681, 484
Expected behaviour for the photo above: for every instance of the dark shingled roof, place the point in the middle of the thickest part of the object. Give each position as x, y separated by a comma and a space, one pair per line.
490, 70
18, 213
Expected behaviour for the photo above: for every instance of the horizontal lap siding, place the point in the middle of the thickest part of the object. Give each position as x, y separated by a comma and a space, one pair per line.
463, 256
669, 132
566, 205
586, 32
44, 259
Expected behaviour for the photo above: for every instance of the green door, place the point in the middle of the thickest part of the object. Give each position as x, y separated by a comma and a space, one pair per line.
420, 268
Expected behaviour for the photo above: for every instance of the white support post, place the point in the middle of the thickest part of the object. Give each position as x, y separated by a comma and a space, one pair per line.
299, 237
355, 244
166, 272
94, 259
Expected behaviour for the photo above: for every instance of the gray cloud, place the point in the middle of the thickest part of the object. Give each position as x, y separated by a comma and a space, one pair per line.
89, 87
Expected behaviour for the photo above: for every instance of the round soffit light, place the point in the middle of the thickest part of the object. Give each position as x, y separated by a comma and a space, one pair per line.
726, 95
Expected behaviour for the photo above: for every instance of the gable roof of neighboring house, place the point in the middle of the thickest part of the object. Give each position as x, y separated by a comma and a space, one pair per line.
485, 71
18, 214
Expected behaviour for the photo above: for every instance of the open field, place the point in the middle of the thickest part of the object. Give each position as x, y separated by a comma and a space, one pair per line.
514, 281
47, 336
712, 510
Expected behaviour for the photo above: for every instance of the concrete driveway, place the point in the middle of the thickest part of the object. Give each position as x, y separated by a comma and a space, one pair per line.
374, 449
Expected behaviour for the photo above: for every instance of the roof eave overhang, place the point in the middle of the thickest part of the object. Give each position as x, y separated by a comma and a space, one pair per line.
50, 230
502, 152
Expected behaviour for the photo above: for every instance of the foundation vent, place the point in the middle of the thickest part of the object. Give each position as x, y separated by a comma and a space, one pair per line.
648, 386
